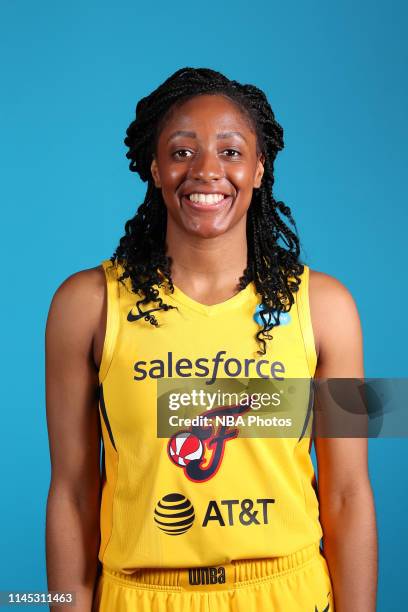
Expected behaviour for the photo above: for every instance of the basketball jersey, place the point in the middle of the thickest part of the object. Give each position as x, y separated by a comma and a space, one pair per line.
198, 497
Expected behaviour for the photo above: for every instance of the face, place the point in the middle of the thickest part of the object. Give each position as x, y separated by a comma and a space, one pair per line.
206, 165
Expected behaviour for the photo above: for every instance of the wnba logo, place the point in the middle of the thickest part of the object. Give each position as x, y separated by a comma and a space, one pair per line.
206, 575
274, 316
174, 514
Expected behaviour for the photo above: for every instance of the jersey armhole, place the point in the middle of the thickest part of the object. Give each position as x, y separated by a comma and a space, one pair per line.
112, 318
305, 320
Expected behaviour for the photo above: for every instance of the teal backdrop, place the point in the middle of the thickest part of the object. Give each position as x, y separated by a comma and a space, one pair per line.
72, 73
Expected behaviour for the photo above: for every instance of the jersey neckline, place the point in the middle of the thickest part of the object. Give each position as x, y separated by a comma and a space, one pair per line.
210, 309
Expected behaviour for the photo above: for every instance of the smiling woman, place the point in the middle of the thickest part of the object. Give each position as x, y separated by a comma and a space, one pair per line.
214, 150
199, 134
206, 270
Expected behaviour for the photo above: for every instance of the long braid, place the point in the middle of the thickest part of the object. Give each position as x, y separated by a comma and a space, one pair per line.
274, 268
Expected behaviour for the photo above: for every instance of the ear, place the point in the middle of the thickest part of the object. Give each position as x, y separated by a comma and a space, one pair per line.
259, 170
155, 172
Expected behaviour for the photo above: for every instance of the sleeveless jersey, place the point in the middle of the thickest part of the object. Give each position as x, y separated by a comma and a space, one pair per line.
183, 501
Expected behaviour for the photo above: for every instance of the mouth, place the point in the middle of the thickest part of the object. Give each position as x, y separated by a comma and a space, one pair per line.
210, 202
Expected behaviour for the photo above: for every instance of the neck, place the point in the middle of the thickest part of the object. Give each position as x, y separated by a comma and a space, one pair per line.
204, 263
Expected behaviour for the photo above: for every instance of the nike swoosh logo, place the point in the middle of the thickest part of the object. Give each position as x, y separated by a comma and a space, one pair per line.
132, 317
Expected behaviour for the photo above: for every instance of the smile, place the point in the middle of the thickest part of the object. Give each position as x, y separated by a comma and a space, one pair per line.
208, 198
204, 201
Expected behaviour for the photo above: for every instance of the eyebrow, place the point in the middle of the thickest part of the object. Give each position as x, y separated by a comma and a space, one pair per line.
220, 135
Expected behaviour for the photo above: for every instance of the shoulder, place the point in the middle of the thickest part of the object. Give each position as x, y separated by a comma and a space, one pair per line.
78, 303
332, 307
327, 290
81, 287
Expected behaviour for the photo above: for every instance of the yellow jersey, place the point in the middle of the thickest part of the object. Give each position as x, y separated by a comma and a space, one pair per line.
203, 495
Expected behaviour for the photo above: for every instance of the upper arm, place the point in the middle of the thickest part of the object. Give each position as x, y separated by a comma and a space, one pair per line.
72, 382
342, 462
337, 328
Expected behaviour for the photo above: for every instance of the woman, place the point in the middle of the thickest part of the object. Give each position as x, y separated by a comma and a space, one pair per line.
206, 281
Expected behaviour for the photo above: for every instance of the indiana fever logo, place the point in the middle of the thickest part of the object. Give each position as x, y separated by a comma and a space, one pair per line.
199, 450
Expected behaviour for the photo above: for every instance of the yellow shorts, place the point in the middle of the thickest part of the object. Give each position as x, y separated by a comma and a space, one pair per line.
297, 583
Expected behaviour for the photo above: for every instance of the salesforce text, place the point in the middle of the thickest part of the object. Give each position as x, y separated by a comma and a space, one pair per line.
204, 367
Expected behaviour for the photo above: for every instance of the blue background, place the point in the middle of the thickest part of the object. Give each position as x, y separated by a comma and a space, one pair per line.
335, 74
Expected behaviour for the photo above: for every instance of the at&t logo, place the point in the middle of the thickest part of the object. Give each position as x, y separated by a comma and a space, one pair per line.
174, 514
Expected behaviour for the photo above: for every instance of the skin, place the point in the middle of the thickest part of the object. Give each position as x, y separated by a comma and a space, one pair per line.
209, 254
208, 248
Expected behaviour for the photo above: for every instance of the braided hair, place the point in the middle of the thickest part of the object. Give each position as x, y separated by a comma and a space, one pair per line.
274, 268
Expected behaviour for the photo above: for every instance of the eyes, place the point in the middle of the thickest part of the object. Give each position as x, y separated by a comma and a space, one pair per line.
181, 153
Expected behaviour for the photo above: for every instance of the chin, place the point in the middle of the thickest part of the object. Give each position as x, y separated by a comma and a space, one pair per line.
206, 232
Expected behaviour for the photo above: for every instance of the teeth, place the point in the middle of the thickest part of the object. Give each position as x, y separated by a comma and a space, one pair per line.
210, 198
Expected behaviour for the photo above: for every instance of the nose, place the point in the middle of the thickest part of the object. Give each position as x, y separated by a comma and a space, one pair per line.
206, 165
